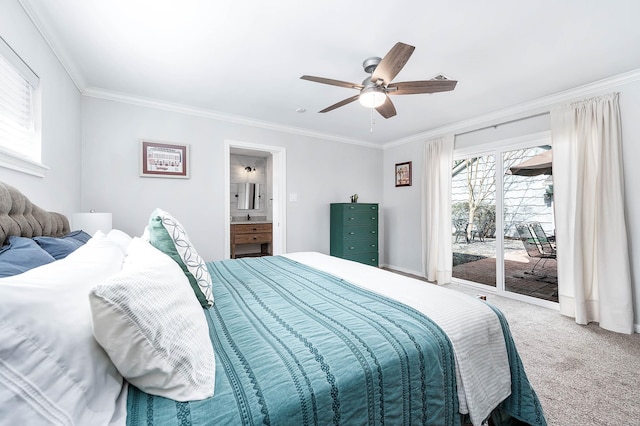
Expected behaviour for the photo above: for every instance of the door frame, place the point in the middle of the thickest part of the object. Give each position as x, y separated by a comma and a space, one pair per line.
497, 149
279, 179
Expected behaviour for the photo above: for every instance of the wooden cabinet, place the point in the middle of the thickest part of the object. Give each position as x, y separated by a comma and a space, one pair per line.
354, 232
252, 233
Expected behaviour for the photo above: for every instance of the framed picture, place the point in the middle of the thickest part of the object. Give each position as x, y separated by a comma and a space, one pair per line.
403, 174
164, 159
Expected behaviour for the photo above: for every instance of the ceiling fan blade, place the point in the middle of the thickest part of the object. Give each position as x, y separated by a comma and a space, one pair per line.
332, 82
341, 103
417, 87
387, 110
392, 63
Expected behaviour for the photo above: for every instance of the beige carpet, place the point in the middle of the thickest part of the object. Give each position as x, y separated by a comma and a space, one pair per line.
583, 375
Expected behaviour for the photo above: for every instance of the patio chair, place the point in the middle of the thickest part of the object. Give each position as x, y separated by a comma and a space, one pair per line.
544, 241
482, 230
460, 226
536, 243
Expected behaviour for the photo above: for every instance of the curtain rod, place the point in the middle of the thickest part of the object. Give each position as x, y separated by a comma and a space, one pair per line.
495, 126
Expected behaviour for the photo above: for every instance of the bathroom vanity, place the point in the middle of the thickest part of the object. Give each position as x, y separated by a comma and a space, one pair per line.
255, 233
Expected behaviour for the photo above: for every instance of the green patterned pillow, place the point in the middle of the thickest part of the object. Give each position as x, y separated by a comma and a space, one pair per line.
167, 235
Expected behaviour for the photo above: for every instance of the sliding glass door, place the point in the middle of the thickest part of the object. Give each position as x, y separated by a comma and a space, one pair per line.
502, 221
530, 266
473, 219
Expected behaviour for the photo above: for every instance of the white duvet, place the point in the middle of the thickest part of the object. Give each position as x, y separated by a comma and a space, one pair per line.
482, 365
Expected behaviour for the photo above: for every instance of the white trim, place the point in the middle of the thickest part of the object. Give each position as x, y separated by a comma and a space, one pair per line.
94, 92
18, 63
522, 110
404, 270
509, 295
14, 161
279, 220
511, 144
63, 58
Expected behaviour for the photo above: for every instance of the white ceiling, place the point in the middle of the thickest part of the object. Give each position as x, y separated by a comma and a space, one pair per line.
244, 59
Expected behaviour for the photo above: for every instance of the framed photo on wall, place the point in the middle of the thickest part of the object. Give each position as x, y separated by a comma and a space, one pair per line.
164, 159
403, 174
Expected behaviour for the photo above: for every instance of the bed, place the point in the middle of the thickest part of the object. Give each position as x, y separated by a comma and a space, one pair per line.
140, 330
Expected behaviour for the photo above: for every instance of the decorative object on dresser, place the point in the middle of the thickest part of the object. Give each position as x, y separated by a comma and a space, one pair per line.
354, 232
252, 233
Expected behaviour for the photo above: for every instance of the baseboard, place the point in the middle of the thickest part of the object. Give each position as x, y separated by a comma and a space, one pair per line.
403, 270
637, 327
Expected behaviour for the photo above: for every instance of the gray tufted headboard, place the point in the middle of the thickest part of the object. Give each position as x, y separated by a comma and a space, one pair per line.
19, 216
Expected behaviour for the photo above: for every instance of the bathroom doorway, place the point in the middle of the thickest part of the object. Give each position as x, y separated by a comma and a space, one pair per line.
256, 182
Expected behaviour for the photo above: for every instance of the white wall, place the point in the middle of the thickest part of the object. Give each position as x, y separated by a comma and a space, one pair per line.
59, 190
318, 171
400, 212
402, 205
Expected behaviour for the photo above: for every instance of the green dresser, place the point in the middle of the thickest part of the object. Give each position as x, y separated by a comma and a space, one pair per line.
354, 232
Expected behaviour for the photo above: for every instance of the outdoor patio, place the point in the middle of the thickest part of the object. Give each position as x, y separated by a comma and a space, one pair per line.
476, 261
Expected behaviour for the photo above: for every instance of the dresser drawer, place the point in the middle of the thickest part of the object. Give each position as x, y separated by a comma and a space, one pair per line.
360, 217
251, 228
360, 233
359, 207
360, 246
252, 238
366, 258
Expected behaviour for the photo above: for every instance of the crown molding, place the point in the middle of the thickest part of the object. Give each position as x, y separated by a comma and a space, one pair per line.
63, 58
522, 110
94, 92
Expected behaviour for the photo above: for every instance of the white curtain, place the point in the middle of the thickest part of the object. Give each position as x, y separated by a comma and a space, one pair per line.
594, 280
437, 257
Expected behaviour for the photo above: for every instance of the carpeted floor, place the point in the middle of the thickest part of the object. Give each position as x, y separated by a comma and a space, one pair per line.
583, 375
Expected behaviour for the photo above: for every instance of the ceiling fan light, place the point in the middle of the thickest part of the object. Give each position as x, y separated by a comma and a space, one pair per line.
372, 97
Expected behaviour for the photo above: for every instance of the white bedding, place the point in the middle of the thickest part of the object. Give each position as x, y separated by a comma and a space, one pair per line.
482, 364
75, 382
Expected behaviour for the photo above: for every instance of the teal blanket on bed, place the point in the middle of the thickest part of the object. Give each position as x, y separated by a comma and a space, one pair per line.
297, 346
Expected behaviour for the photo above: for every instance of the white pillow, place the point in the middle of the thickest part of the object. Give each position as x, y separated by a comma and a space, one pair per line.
152, 327
52, 370
121, 238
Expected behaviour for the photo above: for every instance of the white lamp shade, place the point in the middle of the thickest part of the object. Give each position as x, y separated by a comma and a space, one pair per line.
91, 222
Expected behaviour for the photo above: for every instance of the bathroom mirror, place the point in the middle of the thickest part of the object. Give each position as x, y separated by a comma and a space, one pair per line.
248, 196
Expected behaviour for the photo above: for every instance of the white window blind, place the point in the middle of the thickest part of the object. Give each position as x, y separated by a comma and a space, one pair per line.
18, 82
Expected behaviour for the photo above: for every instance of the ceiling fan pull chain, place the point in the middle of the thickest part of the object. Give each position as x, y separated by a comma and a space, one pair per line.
371, 119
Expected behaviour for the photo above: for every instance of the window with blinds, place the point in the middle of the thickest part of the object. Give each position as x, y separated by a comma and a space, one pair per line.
18, 127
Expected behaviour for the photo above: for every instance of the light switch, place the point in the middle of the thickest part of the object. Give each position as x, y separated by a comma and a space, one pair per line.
293, 197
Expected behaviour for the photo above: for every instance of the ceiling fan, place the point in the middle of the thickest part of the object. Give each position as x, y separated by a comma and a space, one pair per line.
375, 89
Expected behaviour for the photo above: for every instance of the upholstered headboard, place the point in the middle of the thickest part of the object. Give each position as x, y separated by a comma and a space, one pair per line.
19, 216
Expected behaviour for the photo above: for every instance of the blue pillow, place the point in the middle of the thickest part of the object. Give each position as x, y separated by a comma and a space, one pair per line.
20, 255
59, 248
80, 235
